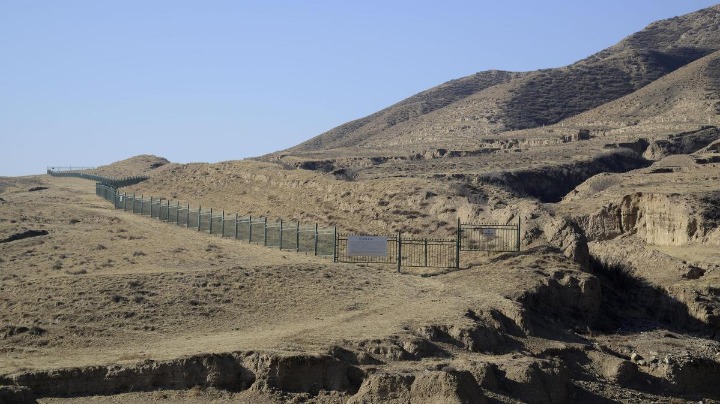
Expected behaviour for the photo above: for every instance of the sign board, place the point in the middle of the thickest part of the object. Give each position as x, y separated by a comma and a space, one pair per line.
488, 233
366, 246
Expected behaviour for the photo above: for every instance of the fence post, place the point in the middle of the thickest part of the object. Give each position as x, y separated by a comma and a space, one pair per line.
125, 201
222, 228
168, 212
187, 216
142, 204
199, 212
265, 233
426, 252
517, 246
399, 250
335, 243
236, 225
281, 229
458, 245
250, 230
297, 238
211, 220
151, 206
177, 214
315, 239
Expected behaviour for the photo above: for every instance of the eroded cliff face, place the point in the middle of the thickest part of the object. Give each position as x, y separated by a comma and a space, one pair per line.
659, 219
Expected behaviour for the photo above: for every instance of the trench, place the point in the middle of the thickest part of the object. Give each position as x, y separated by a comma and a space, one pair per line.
630, 304
550, 184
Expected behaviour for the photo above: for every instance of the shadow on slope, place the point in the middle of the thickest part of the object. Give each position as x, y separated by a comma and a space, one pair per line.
630, 304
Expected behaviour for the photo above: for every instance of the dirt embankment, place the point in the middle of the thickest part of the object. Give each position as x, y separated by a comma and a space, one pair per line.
659, 219
551, 184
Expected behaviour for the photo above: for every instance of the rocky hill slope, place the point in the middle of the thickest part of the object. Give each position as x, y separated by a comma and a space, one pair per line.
492, 102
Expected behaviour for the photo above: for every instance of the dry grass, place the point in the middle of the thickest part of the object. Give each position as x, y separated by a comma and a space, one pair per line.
173, 291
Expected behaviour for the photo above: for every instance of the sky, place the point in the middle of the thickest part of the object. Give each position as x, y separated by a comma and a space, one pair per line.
88, 83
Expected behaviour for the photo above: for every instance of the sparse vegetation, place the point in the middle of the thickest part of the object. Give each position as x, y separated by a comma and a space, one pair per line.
512, 327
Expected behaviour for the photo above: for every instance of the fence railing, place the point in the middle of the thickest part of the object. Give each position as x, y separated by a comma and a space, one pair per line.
81, 172
408, 252
293, 236
322, 241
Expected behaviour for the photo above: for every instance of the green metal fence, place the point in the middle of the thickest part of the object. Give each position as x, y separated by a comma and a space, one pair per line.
293, 236
321, 241
81, 172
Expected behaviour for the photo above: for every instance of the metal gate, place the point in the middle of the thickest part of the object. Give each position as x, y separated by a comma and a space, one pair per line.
407, 252
491, 237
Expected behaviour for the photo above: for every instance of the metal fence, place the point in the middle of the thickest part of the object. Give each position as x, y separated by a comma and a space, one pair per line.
408, 252
312, 239
81, 172
293, 236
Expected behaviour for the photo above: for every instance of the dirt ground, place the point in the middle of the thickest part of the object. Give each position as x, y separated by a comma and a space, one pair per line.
109, 288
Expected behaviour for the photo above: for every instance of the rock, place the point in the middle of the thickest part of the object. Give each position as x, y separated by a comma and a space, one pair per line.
431, 387
568, 295
484, 374
475, 335
390, 388
635, 357
535, 380
693, 272
617, 370
570, 238
446, 388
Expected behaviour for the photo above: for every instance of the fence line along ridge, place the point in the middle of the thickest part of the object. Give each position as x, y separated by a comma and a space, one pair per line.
309, 239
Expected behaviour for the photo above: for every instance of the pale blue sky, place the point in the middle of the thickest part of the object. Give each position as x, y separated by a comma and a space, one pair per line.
92, 82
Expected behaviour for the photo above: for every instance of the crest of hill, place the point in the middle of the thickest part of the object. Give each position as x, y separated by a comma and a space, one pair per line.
142, 165
689, 94
355, 132
492, 102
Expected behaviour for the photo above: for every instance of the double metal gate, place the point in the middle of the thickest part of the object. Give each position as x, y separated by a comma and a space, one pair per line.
491, 237
439, 253
408, 252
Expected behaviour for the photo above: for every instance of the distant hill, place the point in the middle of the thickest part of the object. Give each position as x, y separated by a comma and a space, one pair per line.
689, 93
492, 102
357, 131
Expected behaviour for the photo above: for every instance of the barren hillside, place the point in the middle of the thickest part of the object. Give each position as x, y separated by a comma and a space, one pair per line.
612, 297
457, 111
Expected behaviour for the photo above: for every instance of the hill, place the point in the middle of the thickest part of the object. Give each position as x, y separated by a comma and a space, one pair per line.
612, 297
489, 103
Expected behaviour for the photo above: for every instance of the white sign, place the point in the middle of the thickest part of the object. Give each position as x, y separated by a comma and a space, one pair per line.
488, 233
366, 246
